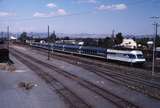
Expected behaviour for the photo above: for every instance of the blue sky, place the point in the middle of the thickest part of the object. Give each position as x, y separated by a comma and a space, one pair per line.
79, 16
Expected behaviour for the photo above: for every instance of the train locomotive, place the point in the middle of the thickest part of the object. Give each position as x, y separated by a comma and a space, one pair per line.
127, 56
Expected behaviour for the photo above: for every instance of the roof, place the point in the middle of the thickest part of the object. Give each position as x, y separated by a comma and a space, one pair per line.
158, 49
93, 48
125, 51
12, 37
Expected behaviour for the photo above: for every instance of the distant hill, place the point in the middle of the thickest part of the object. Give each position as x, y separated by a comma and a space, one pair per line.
78, 35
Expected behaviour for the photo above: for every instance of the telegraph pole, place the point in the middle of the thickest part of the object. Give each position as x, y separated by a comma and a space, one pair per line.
113, 31
154, 44
48, 45
8, 36
2, 35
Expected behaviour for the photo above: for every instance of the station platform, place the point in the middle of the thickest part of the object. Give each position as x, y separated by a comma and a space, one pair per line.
14, 95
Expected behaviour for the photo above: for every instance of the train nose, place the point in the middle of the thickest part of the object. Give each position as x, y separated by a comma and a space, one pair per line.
140, 60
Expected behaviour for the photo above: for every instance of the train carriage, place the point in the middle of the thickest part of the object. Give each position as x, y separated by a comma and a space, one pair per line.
72, 48
93, 51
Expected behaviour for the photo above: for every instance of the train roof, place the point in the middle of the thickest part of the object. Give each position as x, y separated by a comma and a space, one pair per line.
158, 49
82, 47
93, 48
72, 46
125, 51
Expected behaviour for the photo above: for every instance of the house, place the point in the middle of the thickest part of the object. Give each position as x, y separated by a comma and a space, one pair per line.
70, 42
129, 43
13, 38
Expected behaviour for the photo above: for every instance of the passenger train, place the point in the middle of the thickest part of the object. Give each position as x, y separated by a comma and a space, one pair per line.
131, 57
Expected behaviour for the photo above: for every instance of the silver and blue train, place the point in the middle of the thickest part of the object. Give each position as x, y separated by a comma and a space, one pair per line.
131, 57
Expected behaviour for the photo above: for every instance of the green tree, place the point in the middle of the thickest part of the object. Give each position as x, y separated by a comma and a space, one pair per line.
108, 42
119, 38
23, 37
143, 41
66, 38
90, 42
158, 41
52, 37
100, 42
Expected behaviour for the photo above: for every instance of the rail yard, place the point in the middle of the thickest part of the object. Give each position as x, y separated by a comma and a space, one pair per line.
70, 81
79, 54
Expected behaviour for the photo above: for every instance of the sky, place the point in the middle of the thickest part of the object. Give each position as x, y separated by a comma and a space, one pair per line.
79, 16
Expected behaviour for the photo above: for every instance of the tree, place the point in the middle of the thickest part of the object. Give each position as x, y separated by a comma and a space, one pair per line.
108, 42
143, 41
23, 37
100, 42
90, 42
157, 41
52, 37
119, 38
66, 38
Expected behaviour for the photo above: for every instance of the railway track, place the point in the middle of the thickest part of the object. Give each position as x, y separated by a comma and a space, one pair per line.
145, 70
144, 73
71, 99
114, 99
134, 82
138, 82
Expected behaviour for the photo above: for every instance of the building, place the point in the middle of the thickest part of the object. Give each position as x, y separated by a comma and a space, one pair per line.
158, 53
70, 42
150, 44
13, 38
129, 43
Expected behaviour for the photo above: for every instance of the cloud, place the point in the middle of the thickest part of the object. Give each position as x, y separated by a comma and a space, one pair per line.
86, 1
58, 12
3, 14
39, 14
61, 12
51, 5
112, 7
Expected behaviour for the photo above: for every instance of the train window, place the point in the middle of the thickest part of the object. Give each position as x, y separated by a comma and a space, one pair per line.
140, 56
110, 53
126, 55
131, 56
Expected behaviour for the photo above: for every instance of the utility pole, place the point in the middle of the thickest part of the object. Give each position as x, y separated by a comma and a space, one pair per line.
8, 36
113, 31
54, 39
2, 36
154, 44
48, 45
